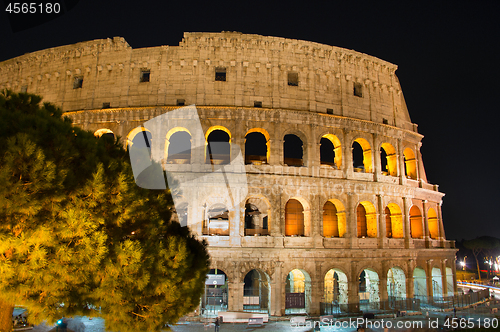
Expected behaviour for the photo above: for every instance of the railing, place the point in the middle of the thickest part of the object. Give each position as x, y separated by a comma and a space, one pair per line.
256, 232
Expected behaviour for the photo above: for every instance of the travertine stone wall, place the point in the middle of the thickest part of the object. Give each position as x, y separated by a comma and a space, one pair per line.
324, 104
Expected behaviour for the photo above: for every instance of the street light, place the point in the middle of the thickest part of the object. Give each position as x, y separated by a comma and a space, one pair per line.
463, 263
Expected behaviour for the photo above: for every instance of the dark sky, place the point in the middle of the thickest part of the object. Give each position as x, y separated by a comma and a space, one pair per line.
447, 53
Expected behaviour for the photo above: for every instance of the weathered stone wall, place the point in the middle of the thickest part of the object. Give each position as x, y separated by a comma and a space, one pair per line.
256, 67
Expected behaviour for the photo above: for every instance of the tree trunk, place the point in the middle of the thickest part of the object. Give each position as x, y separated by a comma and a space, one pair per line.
6, 310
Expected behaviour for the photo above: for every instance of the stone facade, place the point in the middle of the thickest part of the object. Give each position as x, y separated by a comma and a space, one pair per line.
383, 217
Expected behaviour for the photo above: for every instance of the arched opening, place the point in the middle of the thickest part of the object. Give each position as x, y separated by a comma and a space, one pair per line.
178, 147
389, 160
139, 138
393, 221
294, 218
334, 220
218, 147
256, 292
256, 217
330, 151
217, 221
449, 281
297, 292
416, 223
293, 151
437, 283
369, 296
366, 220
420, 284
335, 290
362, 156
396, 283
104, 133
433, 223
256, 148
215, 296
410, 164
181, 215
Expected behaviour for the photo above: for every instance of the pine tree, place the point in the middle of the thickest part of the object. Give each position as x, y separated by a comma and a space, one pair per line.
78, 236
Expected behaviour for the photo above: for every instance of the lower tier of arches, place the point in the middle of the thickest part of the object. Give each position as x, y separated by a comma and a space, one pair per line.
296, 281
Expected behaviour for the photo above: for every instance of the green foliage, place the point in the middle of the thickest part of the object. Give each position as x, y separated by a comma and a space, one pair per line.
77, 232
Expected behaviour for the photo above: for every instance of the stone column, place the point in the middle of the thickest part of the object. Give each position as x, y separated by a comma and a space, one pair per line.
316, 294
441, 227
381, 222
383, 291
376, 163
426, 224
406, 221
347, 160
277, 291
351, 222
429, 280
353, 290
444, 279
402, 164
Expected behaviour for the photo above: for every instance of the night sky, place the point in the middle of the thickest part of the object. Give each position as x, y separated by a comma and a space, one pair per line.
447, 53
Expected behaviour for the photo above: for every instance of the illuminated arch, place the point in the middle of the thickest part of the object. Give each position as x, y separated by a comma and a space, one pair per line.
449, 281
396, 282
367, 154
366, 220
220, 152
104, 131
336, 287
257, 216
433, 223
298, 285
437, 282
180, 152
133, 133
410, 163
369, 286
394, 221
391, 159
256, 291
419, 283
334, 219
294, 218
416, 223
257, 158
337, 149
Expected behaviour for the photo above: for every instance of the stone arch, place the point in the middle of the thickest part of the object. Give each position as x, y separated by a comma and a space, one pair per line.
366, 156
257, 216
366, 220
217, 221
215, 297
294, 150
257, 146
297, 217
410, 163
140, 141
437, 282
389, 158
256, 291
334, 219
218, 145
104, 132
298, 292
416, 227
396, 282
433, 223
369, 283
336, 151
178, 142
393, 221
419, 283
336, 287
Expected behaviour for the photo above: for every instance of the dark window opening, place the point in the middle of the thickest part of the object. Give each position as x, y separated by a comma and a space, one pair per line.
218, 148
383, 161
181, 102
293, 152
78, 83
145, 76
385, 121
179, 149
293, 79
329, 111
358, 90
357, 157
220, 74
327, 153
257, 104
255, 149
106, 105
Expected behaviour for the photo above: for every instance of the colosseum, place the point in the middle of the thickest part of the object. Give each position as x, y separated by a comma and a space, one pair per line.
337, 215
